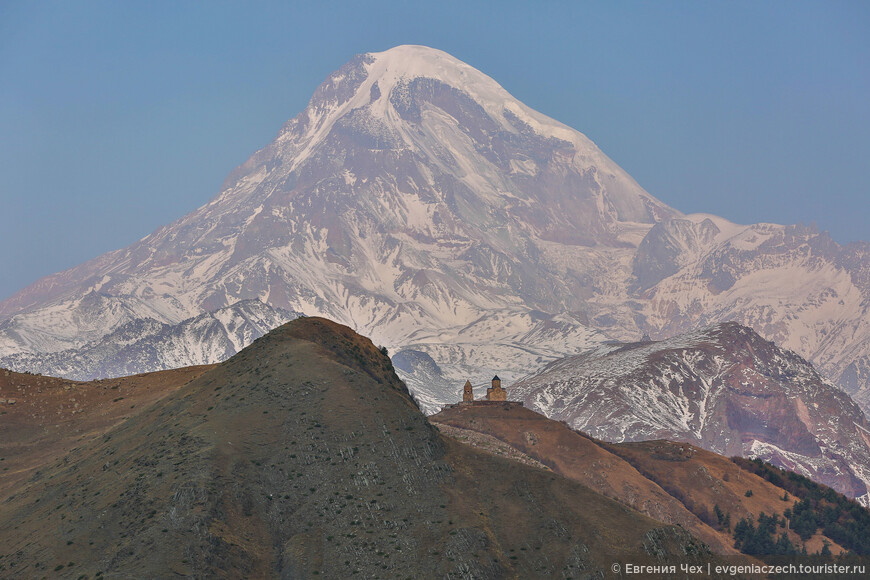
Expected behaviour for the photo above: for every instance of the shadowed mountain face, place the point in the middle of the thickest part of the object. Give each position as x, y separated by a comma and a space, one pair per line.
417, 201
301, 456
723, 388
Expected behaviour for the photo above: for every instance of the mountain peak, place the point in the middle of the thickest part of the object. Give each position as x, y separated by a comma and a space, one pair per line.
409, 61
391, 87
418, 60
411, 197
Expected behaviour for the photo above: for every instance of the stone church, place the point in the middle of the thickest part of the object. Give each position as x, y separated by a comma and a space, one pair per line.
493, 393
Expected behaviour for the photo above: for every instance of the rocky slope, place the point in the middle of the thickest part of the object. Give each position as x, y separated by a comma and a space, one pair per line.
417, 201
723, 388
304, 456
569, 453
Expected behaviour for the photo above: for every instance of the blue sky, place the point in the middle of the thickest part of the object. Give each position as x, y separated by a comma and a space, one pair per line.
119, 117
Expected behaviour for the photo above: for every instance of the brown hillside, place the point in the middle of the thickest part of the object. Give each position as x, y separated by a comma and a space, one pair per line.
304, 456
703, 479
43, 418
672, 482
577, 457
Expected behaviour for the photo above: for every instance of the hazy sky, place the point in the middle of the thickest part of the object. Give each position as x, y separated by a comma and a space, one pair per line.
119, 117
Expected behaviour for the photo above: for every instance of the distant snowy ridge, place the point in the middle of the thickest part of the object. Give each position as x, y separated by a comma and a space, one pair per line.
791, 284
723, 388
145, 345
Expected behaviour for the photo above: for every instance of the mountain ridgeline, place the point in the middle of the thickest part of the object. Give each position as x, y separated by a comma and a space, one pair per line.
417, 201
144, 344
301, 456
723, 388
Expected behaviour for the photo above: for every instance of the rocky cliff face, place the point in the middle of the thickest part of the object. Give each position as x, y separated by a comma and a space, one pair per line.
723, 388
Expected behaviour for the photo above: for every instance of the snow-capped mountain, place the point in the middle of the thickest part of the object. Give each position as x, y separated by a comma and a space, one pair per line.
417, 201
145, 345
413, 199
723, 388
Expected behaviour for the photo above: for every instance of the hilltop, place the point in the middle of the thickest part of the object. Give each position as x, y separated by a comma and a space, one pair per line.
302, 456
